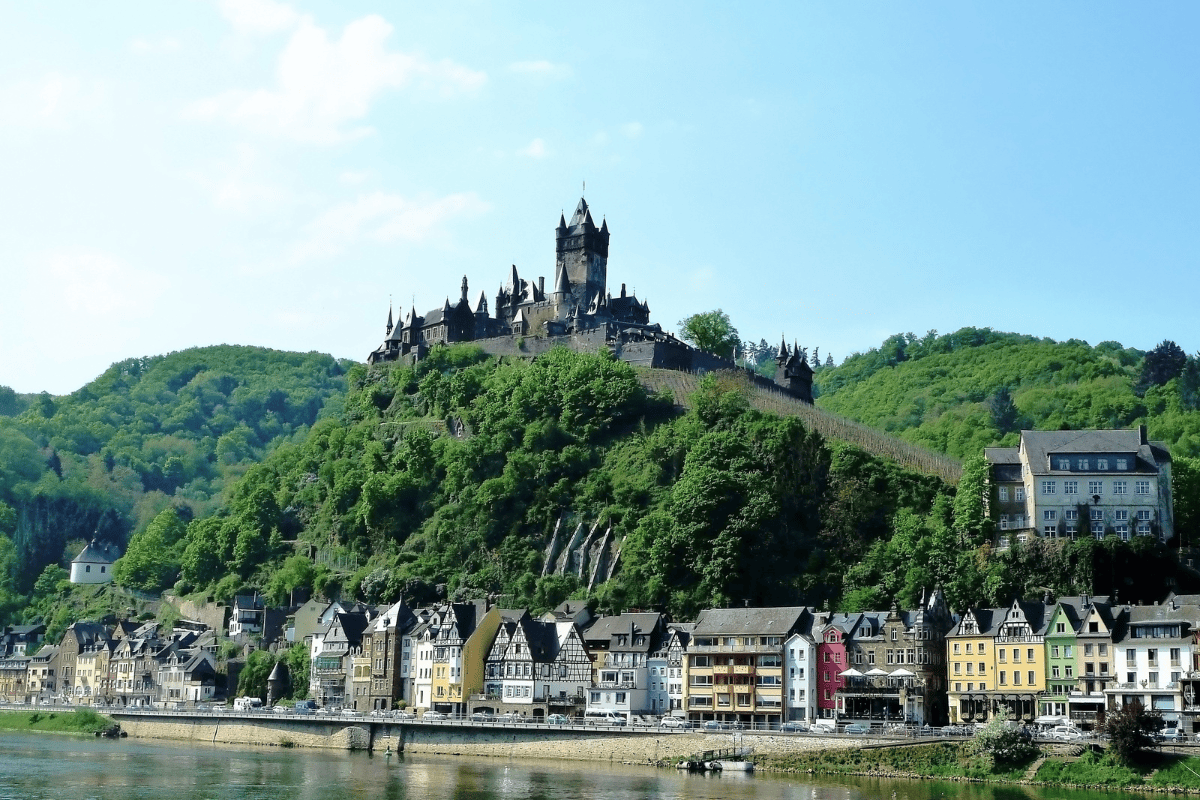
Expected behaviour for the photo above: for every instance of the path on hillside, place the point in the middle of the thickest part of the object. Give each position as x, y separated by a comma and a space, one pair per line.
829, 425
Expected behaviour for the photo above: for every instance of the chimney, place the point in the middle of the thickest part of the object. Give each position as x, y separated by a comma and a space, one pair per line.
542, 284
1142, 434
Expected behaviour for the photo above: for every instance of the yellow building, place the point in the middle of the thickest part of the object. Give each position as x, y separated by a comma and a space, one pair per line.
996, 657
465, 632
91, 675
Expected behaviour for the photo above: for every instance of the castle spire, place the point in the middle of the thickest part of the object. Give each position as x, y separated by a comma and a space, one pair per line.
782, 355
389, 325
464, 289
562, 221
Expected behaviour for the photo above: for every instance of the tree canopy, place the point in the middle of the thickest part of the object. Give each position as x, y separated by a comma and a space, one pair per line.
710, 331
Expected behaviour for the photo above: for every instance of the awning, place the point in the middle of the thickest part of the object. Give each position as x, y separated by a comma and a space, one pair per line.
851, 673
902, 673
875, 673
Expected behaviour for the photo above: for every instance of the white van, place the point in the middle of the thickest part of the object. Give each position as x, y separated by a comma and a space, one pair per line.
824, 726
247, 704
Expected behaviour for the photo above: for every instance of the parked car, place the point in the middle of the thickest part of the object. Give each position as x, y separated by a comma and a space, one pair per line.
351, 712
483, 716
1170, 735
824, 726
793, 727
432, 715
558, 719
857, 729
401, 713
308, 707
281, 710
674, 722
1065, 733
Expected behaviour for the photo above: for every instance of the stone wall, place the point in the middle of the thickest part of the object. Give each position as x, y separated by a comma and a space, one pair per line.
628, 746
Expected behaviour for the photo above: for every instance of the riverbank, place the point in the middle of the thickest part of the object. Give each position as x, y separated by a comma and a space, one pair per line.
953, 761
82, 721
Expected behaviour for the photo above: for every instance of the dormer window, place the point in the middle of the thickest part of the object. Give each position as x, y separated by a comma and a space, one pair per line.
1083, 464
1064, 463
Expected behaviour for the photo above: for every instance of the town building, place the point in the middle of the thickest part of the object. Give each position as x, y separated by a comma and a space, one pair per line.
247, 616
800, 675
620, 647
1155, 653
736, 661
1064, 484
391, 649
997, 657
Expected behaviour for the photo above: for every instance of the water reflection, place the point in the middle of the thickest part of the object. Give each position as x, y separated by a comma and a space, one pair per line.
65, 768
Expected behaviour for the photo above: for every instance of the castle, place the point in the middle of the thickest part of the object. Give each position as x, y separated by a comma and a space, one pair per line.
578, 311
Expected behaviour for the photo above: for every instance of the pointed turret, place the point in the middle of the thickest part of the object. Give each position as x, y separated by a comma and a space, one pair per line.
603, 225
446, 307
515, 282
389, 325
581, 213
587, 220
783, 353
562, 222
464, 289
562, 286
481, 308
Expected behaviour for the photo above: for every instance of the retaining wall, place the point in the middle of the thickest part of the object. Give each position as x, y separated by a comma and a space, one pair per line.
636, 747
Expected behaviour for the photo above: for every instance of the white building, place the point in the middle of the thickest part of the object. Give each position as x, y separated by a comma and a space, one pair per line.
800, 677
94, 563
1064, 483
1154, 652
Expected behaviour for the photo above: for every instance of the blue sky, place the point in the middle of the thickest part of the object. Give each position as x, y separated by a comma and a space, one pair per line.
256, 172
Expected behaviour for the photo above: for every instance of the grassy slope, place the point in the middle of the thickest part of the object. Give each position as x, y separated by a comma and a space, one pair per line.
82, 720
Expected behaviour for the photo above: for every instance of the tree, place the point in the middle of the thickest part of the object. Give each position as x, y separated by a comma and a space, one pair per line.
1004, 412
150, 562
252, 681
1001, 743
1161, 365
1130, 730
1185, 491
711, 332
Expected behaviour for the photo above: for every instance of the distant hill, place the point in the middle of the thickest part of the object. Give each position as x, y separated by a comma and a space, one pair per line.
963, 391
149, 433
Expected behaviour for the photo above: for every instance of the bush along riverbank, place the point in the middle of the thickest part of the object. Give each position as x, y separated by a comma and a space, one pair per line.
1093, 768
84, 721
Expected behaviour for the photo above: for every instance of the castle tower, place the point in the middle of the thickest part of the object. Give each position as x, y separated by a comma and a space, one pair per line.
582, 253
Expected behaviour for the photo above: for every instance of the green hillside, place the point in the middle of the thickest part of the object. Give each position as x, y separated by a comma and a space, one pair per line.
961, 392
149, 434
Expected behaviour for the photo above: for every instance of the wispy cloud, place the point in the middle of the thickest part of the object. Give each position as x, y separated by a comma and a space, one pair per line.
89, 281
535, 149
55, 100
384, 217
632, 130
258, 17
163, 44
236, 184
543, 69
324, 87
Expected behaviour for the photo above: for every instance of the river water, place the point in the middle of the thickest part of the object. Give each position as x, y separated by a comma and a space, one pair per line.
54, 767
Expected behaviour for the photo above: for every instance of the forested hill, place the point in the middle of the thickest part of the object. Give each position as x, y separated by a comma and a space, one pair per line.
150, 433
963, 391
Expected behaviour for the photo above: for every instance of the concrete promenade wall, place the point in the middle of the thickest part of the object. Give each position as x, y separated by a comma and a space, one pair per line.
632, 746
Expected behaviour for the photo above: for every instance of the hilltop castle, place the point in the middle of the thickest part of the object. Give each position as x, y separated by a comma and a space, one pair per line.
578, 311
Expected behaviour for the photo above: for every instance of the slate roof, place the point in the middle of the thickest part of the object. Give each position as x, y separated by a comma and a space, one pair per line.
97, 552
777, 621
602, 632
1041, 445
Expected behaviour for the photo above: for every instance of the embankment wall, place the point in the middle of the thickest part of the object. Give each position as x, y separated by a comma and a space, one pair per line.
635, 747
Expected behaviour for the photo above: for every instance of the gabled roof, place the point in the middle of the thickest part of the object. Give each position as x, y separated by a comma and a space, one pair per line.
249, 602
777, 621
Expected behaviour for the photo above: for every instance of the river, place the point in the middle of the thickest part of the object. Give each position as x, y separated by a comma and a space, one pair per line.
58, 767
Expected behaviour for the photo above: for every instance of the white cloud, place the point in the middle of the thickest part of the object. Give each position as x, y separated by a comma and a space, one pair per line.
163, 44
355, 177
632, 130
384, 217
93, 283
258, 17
324, 86
52, 101
535, 149
236, 184
545, 69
